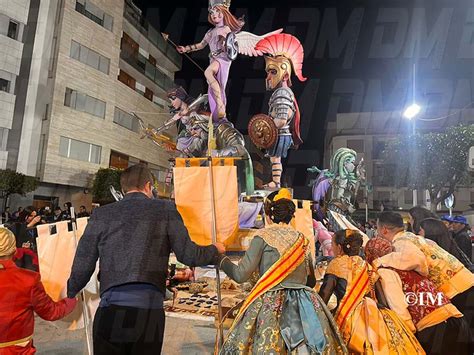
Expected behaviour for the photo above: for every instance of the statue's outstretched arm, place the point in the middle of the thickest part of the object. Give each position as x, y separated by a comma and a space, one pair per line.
314, 169
192, 47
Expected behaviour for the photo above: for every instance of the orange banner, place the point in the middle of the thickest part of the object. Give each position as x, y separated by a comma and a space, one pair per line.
192, 189
303, 223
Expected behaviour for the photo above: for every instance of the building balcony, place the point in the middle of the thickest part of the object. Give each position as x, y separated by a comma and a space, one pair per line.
7, 106
134, 16
10, 55
143, 65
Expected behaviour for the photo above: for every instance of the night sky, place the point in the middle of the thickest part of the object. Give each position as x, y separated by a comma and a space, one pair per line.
358, 57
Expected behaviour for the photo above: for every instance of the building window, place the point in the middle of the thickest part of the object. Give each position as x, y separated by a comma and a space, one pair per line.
77, 150
378, 149
89, 57
383, 174
383, 196
141, 60
408, 197
84, 103
127, 79
148, 94
126, 120
46, 112
356, 144
4, 85
91, 11
13, 30
118, 160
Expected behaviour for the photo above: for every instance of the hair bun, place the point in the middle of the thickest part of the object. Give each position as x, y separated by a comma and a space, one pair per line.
280, 210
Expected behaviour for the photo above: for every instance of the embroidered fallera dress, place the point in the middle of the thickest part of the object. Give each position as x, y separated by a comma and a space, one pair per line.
365, 328
281, 315
449, 276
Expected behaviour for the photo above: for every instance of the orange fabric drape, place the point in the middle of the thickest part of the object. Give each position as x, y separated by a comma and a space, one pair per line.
55, 254
193, 198
303, 223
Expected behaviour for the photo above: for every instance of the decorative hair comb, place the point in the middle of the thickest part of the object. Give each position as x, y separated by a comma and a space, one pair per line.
350, 233
283, 193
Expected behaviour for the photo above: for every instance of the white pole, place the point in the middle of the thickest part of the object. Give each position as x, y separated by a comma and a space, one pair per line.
428, 200
415, 193
366, 204
220, 335
85, 311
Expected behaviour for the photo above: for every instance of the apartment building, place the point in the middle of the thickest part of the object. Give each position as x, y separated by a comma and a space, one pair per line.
13, 19
93, 63
368, 133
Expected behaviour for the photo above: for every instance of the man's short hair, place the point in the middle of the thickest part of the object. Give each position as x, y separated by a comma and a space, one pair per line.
391, 220
135, 177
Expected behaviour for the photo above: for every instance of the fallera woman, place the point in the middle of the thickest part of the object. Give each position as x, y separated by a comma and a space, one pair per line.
282, 314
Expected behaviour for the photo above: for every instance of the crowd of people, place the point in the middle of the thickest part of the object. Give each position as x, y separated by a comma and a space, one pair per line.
23, 223
45, 214
399, 292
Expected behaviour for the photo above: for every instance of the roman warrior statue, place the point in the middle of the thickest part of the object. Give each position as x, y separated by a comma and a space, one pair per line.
283, 56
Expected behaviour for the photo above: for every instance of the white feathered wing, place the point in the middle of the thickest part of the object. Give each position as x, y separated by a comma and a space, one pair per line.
247, 42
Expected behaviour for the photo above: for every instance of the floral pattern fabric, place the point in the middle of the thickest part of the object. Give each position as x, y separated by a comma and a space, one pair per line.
260, 329
415, 283
441, 265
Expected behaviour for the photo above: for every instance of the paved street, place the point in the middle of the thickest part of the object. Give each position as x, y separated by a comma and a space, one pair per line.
182, 336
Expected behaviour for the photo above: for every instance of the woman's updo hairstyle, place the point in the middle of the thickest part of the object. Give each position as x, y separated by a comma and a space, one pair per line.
350, 240
279, 207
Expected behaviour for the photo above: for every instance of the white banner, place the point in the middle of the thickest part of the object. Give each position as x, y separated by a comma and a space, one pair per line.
56, 254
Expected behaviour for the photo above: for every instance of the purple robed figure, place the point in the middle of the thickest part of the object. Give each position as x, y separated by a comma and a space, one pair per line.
217, 73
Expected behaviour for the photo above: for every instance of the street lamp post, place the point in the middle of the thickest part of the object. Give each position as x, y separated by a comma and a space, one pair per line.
410, 113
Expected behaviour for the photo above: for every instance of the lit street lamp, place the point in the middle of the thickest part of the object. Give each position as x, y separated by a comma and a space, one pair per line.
412, 111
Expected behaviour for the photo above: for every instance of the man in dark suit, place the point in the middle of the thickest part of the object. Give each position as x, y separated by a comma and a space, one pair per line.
132, 239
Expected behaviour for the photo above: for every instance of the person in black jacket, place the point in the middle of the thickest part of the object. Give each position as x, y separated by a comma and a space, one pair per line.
461, 236
83, 212
132, 239
437, 231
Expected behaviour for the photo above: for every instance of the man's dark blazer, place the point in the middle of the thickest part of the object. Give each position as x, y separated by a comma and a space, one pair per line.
132, 239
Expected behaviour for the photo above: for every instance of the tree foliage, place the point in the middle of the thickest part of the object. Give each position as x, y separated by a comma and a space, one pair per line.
12, 183
436, 162
103, 179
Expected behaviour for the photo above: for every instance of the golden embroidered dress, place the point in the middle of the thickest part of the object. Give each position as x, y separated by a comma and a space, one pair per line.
281, 315
365, 328
449, 275
412, 252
